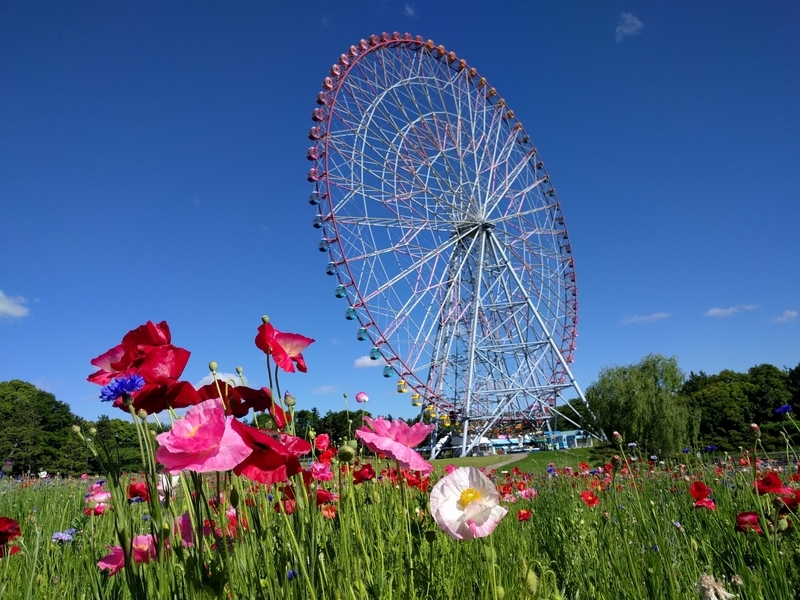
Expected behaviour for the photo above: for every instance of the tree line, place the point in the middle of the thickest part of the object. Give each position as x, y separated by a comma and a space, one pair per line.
654, 405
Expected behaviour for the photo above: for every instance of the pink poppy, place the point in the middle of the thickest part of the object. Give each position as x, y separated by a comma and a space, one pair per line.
285, 348
321, 471
395, 440
466, 505
203, 441
143, 550
362, 397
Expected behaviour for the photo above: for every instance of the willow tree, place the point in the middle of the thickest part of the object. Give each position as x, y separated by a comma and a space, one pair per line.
642, 402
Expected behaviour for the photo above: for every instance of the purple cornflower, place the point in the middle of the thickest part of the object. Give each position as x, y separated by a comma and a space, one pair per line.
291, 574
63, 537
122, 386
782, 410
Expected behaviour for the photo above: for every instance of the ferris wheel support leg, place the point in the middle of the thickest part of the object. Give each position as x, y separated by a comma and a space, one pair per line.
545, 330
501, 406
473, 341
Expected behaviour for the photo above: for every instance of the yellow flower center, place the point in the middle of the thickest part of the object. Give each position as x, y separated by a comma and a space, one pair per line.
469, 495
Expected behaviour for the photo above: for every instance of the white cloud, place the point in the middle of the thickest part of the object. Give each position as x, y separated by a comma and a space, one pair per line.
410, 11
638, 320
12, 306
730, 311
788, 315
324, 389
365, 362
628, 25
231, 378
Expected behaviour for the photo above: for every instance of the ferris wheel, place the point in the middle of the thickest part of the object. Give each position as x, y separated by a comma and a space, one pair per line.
444, 233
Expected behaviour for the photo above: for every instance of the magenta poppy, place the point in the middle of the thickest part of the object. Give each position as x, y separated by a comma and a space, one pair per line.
395, 440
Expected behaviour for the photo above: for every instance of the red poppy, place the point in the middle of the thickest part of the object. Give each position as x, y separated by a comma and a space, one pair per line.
772, 484
699, 490
589, 499
240, 399
523, 515
9, 529
324, 496
748, 521
705, 503
365, 473
322, 441
326, 456
329, 511
138, 490
146, 351
274, 458
154, 398
285, 348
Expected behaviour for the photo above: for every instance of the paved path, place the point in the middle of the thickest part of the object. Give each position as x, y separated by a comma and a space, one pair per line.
506, 460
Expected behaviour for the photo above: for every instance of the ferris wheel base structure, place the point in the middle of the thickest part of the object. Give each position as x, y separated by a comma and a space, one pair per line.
445, 236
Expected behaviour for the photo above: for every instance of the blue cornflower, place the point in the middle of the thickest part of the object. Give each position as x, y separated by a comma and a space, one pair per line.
291, 574
135, 500
653, 457
121, 386
687, 450
632, 444
62, 537
710, 448
782, 410
145, 517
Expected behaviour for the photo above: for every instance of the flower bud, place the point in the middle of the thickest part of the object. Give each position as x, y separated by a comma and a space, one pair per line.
617, 437
264, 319
234, 497
289, 399
783, 524
532, 582
93, 430
500, 592
76, 429
165, 529
430, 536
239, 370
212, 366
142, 413
346, 454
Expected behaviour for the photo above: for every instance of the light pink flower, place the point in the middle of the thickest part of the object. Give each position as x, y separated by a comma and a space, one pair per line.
395, 439
528, 493
466, 505
321, 471
202, 441
362, 397
143, 551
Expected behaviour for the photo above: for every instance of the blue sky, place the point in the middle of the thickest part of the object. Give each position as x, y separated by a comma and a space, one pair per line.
152, 166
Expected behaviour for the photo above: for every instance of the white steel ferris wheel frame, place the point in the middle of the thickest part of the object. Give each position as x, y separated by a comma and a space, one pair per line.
445, 234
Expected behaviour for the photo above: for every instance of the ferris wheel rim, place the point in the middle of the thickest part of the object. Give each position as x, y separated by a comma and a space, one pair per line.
332, 86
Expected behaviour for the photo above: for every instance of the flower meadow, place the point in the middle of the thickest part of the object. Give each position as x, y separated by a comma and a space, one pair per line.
233, 502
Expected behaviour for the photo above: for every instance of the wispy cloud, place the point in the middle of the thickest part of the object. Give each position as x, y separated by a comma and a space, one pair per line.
365, 362
13, 306
324, 389
730, 311
639, 320
788, 315
231, 378
410, 11
628, 25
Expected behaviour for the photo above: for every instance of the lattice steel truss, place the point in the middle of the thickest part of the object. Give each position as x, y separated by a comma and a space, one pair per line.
445, 234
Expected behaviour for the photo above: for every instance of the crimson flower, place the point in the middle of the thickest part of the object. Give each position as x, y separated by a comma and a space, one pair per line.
275, 457
240, 399
138, 490
322, 441
285, 348
589, 498
772, 484
147, 353
9, 529
699, 490
523, 515
365, 473
324, 496
748, 521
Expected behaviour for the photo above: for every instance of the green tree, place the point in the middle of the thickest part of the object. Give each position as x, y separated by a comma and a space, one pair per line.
642, 402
